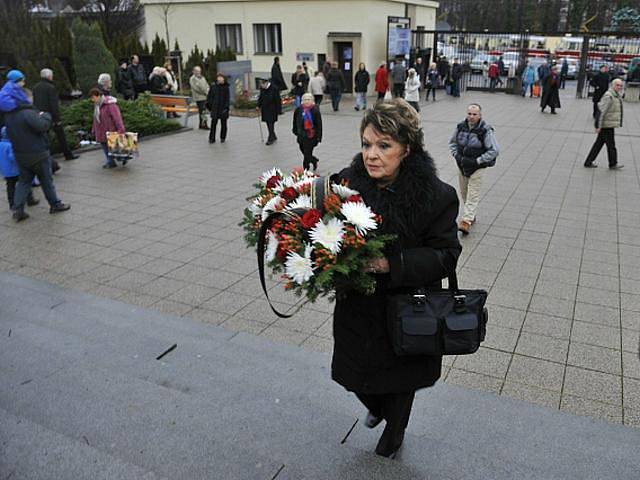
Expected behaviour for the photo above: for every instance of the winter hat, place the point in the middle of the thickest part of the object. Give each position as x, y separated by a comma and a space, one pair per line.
15, 76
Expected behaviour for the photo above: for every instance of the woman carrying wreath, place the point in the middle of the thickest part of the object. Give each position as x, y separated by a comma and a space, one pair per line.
397, 178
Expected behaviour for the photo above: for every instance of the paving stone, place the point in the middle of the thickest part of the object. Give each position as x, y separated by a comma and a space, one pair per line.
591, 408
485, 361
591, 385
207, 316
509, 298
630, 341
170, 307
630, 301
318, 344
500, 338
528, 393
138, 299
599, 314
596, 358
238, 324
598, 296
160, 266
549, 326
162, 286
227, 302
539, 346
598, 335
132, 280
284, 335
556, 289
194, 295
474, 380
605, 282
535, 372
631, 388
551, 306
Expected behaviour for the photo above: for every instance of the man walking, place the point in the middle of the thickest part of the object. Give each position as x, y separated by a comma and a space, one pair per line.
399, 76
27, 129
456, 78
474, 147
600, 82
564, 72
199, 91
270, 107
45, 98
138, 76
610, 118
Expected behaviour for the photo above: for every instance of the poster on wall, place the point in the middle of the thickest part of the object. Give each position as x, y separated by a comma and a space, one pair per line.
398, 37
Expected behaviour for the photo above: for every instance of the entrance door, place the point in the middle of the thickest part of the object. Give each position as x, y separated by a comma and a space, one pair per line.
345, 63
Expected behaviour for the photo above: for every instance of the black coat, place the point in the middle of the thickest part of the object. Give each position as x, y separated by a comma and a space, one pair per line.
335, 81
456, 71
298, 124
362, 81
421, 70
218, 100
158, 85
124, 82
600, 82
550, 91
303, 79
270, 103
422, 211
27, 129
277, 78
45, 97
138, 76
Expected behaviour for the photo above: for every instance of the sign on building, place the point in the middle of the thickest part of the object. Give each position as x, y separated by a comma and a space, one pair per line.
398, 37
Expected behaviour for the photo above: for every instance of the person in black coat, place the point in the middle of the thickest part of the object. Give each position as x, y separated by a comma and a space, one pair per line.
362, 85
158, 84
124, 82
551, 91
300, 83
218, 105
397, 178
277, 79
138, 75
456, 77
270, 106
307, 127
45, 97
335, 84
600, 82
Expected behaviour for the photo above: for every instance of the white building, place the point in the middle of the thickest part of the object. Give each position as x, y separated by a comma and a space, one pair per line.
348, 32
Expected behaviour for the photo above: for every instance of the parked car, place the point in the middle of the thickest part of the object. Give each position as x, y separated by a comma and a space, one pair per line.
479, 59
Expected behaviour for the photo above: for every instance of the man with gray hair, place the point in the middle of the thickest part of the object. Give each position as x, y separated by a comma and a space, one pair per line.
45, 97
609, 118
474, 147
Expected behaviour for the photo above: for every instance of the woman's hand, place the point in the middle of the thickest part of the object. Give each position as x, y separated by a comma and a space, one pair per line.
377, 265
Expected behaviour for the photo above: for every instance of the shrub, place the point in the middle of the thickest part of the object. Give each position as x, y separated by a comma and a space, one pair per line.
139, 116
90, 54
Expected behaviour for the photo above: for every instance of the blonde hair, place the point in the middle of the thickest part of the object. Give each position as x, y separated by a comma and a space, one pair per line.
397, 119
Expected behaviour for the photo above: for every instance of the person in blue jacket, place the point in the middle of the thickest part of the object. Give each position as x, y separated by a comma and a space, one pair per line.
9, 169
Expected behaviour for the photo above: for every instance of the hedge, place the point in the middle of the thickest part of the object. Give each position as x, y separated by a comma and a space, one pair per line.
140, 116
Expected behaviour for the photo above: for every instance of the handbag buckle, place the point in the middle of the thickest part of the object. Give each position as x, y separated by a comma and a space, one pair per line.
419, 302
459, 303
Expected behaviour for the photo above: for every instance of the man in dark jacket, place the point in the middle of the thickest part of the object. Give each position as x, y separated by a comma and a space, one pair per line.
218, 105
270, 106
27, 128
474, 147
124, 81
45, 97
335, 83
138, 76
456, 76
277, 79
600, 82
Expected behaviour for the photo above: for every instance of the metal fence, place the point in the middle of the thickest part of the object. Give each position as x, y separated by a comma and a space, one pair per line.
476, 51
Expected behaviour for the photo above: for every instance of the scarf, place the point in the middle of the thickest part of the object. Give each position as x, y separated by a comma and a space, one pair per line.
307, 121
96, 109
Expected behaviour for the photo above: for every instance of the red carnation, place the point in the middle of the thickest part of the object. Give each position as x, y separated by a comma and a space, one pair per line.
310, 218
354, 198
272, 182
289, 194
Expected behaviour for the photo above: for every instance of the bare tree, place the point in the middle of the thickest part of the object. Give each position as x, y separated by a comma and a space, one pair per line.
165, 11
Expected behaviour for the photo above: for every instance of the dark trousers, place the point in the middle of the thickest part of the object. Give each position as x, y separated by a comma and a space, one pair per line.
202, 112
455, 88
395, 408
272, 131
431, 90
563, 81
62, 140
335, 100
306, 147
223, 128
596, 110
318, 99
398, 90
606, 136
381, 96
11, 191
43, 170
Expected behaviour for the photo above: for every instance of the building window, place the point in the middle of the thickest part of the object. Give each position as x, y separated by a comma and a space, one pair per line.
267, 37
229, 36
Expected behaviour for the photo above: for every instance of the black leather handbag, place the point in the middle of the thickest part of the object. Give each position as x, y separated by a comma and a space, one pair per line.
440, 322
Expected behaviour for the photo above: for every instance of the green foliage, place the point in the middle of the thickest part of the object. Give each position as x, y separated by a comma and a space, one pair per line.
30, 72
195, 58
60, 78
140, 116
626, 19
90, 54
243, 102
158, 50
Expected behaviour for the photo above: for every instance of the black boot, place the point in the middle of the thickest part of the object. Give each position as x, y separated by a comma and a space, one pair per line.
32, 201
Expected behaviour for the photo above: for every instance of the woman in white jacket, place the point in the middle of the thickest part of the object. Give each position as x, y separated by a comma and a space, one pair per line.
412, 89
317, 84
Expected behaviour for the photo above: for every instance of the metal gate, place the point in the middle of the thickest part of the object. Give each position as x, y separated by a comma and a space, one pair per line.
511, 52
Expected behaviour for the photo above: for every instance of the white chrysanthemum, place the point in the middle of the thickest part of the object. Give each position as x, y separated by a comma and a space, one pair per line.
303, 202
256, 206
342, 191
284, 182
268, 174
329, 234
272, 205
272, 247
360, 216
302, 182
299, 268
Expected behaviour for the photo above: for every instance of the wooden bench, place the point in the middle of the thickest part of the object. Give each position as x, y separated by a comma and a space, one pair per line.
184, 106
